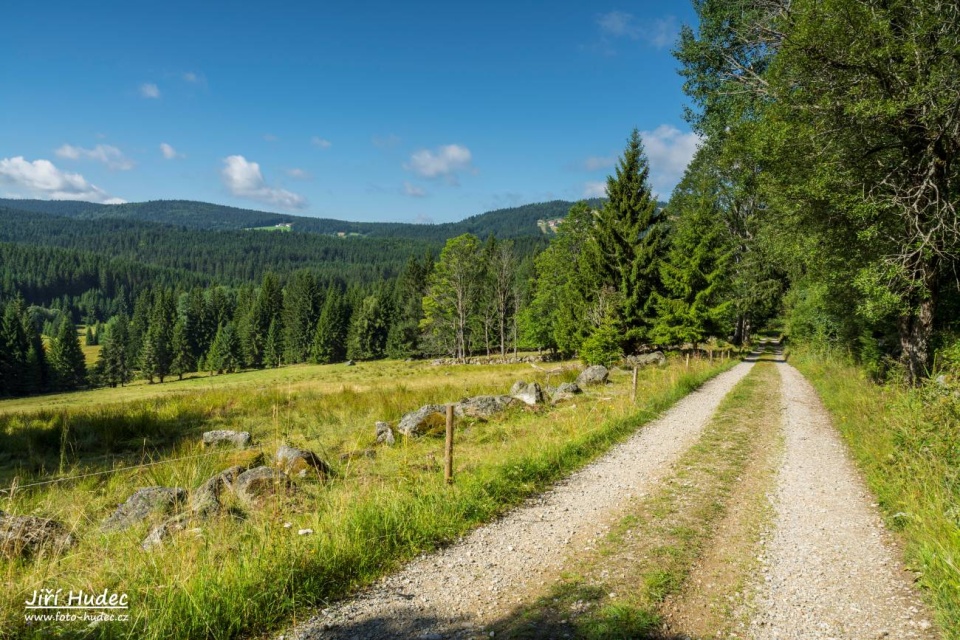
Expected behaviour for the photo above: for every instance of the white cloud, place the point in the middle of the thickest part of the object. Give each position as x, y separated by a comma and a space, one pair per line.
149, 90
108, 155
597, 163
595, 190
443, 162
669, 151
243, 178
41, 179
323, 143
413, 190
299, 174
659, 33
169, 152
386, 142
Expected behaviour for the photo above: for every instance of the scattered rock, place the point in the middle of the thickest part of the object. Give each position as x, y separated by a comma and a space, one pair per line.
561, 396
301, 462
255, 484
304, 532
350, 363
205, 500
142, 504
597, 374
645, 359
22, 536
164, 530
482, 406
569, 387
422, 420
356, 454
528, 392
238, 439
385, 433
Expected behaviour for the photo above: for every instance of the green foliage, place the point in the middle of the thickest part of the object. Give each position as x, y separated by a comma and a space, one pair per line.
330, 337
66, 359
603, 345
226, 352
453, 295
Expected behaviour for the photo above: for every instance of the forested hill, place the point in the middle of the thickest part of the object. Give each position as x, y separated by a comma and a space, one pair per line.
514, 222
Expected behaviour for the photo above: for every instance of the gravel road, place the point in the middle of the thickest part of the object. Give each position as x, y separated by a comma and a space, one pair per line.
831, 570
456, 591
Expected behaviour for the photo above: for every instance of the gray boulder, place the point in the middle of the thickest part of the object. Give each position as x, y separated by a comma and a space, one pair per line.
164, 530
142, 504
422, 420
482, 406
561, 396
597, 374
238, 439
301, 462
527, 392
23, 536
569, 387
385, 433
205, 499
254, 485
646, 359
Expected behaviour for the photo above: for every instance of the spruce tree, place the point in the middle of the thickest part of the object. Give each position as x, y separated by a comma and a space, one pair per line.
13, 341
403, 337
226, 352
183, 361
367, 336
66, 358
273, 350
330, 338
300, 310
629, 245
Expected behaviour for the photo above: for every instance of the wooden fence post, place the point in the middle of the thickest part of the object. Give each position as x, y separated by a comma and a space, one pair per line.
633, 393
448, 452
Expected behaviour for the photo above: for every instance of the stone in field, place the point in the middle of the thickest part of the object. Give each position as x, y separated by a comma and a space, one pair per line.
385, 433
527, 392
482, 406
142, 504
301, 462
422, 420
238, 439
597, 374
23, 536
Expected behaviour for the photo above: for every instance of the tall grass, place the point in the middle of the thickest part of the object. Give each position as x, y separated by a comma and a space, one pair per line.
907, 443
246, 572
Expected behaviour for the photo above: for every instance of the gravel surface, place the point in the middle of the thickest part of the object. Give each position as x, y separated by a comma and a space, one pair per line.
455, 592
831, 570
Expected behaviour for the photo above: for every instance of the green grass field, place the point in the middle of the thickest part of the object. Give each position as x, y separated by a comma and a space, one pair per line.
244, 572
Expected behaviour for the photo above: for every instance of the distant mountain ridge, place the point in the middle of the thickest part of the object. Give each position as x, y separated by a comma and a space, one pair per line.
512, 222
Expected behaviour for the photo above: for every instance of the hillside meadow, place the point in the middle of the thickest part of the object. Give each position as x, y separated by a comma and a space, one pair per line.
249, 570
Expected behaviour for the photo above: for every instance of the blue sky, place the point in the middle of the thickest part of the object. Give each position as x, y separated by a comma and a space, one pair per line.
369, 111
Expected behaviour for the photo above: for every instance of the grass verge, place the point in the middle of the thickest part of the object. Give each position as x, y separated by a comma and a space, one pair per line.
907, 444
618, 589
247, 572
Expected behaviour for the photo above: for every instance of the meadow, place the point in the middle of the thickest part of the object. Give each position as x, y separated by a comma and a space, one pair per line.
249, 571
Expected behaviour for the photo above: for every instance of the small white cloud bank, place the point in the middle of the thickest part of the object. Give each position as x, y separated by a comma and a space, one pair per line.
243, 178
445, 162
169, 152
321, 143
149, 90
413, 190
42, 179
108, 155
669, 151
658, 33
595, 190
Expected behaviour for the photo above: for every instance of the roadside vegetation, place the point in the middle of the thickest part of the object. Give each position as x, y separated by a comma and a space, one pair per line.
906, 442
246, 572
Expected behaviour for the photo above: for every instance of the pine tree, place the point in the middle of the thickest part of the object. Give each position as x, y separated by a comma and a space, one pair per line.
300, 310
13, 341
451, 301
183, 361
156, 354
37, 377
66, 358
630, 242
367, 336
113, 365
265, 311
330, 339
226, 352
403, 338
273, 350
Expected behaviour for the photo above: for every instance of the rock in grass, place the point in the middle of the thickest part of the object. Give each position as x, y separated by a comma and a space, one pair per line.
482, 406
164, 530
142, 504
385, 433
597, 374
527, 392
254, 485
422, 420
645, 359
238, 439
23, 536
205, 499
301, 462
569, 387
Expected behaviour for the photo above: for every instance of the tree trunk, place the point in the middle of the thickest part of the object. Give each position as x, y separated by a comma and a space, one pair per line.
916, 328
